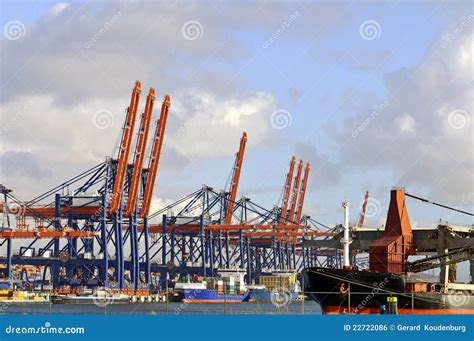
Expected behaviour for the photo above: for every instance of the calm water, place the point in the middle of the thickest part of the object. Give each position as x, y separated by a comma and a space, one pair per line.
295, 307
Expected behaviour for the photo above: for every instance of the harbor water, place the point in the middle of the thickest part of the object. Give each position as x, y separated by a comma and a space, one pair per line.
294, 307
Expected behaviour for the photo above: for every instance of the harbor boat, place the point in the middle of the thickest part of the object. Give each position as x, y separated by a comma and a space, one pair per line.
87, 296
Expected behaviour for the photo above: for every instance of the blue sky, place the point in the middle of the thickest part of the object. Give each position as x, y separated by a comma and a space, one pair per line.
320, 69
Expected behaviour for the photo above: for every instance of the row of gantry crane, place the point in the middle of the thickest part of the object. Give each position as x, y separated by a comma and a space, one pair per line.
96, 228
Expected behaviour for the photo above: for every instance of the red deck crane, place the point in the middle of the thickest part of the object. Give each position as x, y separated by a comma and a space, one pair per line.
140, 154
364, 208
302, 194
124, 150
294, 198
287, 191
239, 158
155, 157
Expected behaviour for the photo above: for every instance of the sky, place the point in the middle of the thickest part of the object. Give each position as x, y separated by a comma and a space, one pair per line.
371, 94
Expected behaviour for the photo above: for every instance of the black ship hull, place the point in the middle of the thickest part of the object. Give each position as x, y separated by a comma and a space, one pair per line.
341, 291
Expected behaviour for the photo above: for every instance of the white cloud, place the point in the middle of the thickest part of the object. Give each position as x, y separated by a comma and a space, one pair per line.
211, 127
406, 123
58, 8
438, 159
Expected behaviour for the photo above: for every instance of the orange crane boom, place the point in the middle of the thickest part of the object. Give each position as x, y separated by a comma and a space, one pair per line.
287, 191
294, 198
124, 151
140, 154
304, 182
155, 157
235, 179
364, 208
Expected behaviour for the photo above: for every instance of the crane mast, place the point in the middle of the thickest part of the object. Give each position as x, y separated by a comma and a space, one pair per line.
287, 191
302, 194
364, 208
235, 179
124, 150
294, 198
155, 157
140, 154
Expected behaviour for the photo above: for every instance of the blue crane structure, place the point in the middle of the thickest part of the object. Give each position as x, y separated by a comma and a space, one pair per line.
96, 228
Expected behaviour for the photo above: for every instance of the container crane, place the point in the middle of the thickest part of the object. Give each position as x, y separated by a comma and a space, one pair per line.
287, 191
239, 158
124, 150
155, 157
140, 154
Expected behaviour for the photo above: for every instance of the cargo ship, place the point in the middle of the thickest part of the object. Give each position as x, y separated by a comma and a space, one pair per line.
388, 286
352, 291
259, 293
226, 289
271, 287
199, 293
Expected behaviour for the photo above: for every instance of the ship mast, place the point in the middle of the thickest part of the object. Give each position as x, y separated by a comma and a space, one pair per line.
346, 240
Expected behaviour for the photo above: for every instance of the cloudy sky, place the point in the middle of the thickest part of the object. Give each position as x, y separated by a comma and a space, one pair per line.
372, 94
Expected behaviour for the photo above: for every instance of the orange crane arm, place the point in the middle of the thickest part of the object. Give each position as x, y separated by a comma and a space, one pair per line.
286, 194
288, 234
235, 179
304, 182
295, 192
140, 154
364, 208
124, 151
155, 157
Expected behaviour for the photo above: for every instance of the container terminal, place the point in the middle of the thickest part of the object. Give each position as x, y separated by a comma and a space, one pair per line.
93, 237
